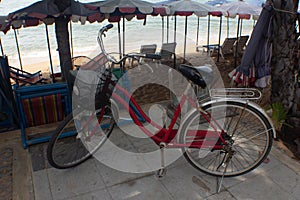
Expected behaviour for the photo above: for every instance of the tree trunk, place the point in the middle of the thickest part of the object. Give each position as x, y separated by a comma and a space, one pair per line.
62, 38
285, 66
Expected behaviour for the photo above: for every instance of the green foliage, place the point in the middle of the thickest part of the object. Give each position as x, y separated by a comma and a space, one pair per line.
279, 115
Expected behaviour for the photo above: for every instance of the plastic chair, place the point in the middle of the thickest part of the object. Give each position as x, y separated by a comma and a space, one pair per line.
167, 52
225, 49
241, 44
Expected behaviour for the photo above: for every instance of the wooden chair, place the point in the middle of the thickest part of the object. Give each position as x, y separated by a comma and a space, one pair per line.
22, 77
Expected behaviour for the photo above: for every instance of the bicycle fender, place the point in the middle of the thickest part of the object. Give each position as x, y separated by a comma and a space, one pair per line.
254, 105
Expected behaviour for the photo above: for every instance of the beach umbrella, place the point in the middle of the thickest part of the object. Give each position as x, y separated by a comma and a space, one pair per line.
241, 9
217, 2
45, 12
188, 7
39, 10
33, 15
127, 9
164, 4
244, 11
4, 27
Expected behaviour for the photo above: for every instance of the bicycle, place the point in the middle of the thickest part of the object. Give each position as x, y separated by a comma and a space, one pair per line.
235, 142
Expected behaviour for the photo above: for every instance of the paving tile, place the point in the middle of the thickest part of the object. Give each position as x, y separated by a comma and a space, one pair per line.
102, 194
41, 185
145, 188
185, 182
263, 169
259, 188
113, 177
120, 153
74, 181
221, 196
38, 158
287, 179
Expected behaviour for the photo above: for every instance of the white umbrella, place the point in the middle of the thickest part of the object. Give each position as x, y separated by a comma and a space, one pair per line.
244, 11
189, 7
241, 8
126, 8
161, 5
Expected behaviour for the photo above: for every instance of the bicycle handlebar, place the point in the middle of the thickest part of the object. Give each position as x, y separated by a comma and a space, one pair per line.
131, 55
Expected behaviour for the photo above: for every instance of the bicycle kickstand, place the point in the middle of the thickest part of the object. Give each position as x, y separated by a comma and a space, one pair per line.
162, 171
219, 182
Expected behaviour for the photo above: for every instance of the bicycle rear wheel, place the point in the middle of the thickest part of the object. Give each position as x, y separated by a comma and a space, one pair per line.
78, 136
249, 130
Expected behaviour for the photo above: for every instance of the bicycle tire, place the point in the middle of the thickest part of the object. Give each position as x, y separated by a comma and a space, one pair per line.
252, 127
68, 149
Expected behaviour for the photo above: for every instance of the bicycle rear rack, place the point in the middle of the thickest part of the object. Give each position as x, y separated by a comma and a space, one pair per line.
236, 93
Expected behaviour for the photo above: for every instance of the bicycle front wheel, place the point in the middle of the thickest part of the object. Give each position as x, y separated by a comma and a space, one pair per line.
78, 136
247, 128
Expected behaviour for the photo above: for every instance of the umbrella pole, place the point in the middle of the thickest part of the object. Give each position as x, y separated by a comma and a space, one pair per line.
185, 34
220, 32
120, 43
208, 30
123, 35
241, 27
167, 29
175, 29
197, 37
2, 51
237, 43
162, 29
18, 49
49, 51
71, 36
227, 27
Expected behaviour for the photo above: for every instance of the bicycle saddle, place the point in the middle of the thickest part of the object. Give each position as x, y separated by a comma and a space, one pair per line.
199, 75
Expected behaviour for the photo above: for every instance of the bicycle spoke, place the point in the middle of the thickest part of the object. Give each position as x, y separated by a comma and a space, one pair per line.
251, 140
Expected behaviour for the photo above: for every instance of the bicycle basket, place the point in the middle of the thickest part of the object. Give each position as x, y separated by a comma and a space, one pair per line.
91, 89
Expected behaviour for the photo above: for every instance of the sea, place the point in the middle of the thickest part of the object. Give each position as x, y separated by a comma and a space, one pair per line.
33, 41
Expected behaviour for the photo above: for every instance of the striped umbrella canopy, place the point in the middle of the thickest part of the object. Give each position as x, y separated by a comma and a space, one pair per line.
114, 10
4, 24
241, 8
4, 27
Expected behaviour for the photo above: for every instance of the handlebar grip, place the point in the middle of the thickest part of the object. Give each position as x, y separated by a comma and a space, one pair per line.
109, 26
152, 56
106, 28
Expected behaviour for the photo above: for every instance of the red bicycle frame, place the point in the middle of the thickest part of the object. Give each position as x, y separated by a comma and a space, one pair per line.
201, 138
